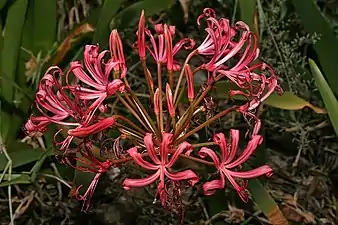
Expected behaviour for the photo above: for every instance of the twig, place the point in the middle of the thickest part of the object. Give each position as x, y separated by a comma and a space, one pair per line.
9, 168
56, 171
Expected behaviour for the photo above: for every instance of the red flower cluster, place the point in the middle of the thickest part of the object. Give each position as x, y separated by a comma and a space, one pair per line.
76, 104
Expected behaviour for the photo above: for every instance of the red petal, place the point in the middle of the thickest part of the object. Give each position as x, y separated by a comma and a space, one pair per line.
210, 187
128, 182
263, 170
204, 152
184, 175
251, 147
234, 134
148, 142
97, 127
183, 146
164, 147
220, 140
140, 161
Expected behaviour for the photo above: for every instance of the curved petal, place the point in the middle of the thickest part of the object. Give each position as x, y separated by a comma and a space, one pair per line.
148, 142
210, 187
204, 152
262, 170
183, 146
251, 147
114, 86
241, 189
221, 141
234, 134
128, 182
189, 175
99, 126
164, 148
140, 161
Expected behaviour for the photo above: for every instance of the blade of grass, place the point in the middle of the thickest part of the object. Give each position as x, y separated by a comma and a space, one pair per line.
9, 169
327, 47
21, 154
130, 15
10, 52
45, 23
328, 96
2, 3
108, 11
266, 203
247, 11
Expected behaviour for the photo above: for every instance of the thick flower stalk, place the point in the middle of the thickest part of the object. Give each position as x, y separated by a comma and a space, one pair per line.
161, 123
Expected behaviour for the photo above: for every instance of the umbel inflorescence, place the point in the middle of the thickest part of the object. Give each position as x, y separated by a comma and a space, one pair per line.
76, 101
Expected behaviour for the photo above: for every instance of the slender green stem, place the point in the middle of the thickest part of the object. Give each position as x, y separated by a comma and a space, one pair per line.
197, 159
56, 178
171, 79
127, 131
132, 112
9, 168
159, 81
130, 123
203, 144
206, 123
181, 74
143, 112
148, 78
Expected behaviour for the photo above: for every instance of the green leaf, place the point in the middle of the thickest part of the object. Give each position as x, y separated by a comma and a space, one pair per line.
130, 15
247, 11
329, 98
9, 58
327, 46
152, 7
102, 30
287, 101
10, 52
45, 24
16, 179
20, 154
290, 101
216, 203
265, 202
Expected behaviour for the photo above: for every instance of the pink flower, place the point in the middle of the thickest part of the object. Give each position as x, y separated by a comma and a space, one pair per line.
98, 81
255, 87
162, 49
226, 162
58, 107
161, 165
221, 43
89, 164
